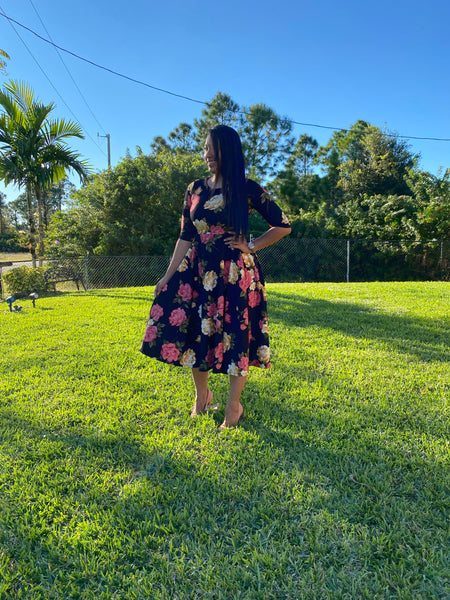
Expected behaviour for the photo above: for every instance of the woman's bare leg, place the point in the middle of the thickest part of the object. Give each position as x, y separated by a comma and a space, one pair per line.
201, 391
234, 409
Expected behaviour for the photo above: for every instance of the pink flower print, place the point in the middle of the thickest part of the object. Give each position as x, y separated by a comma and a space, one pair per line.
151, 333
244, 325
206, 237
227, 317
185, 291
193, 201
177, 316
195, 294
254, 299
193, 254
240, 262
218, 324
210, 357
219, 352
216, 230
226, 270
156, 312
243, 363
256, 274
200, 269
212, 310
169, 352
245, 280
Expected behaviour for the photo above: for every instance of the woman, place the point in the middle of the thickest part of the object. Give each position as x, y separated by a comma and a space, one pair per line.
209, 311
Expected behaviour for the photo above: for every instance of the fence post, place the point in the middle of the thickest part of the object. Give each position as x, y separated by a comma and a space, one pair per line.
348, 261
86, 270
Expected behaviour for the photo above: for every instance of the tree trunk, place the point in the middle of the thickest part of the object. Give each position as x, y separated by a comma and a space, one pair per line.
32, 225
41, 246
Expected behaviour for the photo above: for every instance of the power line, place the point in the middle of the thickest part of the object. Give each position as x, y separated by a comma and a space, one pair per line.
66, 67
49, 80
153, 87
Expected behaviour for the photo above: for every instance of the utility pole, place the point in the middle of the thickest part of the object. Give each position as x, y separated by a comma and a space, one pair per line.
108, 141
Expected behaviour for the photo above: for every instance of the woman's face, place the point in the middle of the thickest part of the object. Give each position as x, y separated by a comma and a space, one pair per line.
212, 160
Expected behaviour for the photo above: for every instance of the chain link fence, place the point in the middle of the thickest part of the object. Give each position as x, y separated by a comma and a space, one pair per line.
290, 260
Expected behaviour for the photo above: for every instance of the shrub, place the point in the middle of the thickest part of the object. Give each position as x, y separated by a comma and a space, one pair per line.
10, 242
24, 280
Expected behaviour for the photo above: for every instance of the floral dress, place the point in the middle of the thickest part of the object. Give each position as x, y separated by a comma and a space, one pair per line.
212, 314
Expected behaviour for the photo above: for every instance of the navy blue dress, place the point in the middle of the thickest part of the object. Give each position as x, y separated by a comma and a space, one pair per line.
212, 314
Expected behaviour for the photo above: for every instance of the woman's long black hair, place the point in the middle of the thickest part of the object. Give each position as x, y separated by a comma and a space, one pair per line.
228, 152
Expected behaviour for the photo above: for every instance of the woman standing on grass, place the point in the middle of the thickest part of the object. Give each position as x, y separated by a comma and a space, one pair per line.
209, 311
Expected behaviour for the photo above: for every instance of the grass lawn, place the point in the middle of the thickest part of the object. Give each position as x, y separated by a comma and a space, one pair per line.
14, 256
335, 486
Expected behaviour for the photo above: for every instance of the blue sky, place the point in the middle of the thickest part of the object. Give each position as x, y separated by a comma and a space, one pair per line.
323, 62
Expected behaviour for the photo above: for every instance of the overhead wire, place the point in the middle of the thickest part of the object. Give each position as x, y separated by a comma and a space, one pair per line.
183, 97
67, 69
11, 21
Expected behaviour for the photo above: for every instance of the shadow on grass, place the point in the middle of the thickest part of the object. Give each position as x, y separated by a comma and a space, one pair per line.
425, 338
280, 495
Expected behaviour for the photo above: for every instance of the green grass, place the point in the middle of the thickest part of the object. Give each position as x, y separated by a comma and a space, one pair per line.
335, 486
14, 256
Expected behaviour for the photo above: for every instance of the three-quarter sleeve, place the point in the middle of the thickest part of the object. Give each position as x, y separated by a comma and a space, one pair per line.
188, 230
261, 201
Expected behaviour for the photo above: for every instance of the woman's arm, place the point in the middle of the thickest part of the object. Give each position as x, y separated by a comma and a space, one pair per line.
181, 247
268, 238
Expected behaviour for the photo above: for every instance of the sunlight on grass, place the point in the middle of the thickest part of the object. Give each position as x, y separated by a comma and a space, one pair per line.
335, 486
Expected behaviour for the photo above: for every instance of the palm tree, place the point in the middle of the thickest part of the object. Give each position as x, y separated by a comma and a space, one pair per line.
3, 58
34, 152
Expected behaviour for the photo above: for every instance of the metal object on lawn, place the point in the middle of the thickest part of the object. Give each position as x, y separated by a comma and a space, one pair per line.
34, 296
10, 300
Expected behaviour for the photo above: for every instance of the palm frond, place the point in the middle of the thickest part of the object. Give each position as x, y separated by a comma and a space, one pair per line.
58, 129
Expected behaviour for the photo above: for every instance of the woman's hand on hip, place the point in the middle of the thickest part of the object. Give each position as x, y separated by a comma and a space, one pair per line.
237, 242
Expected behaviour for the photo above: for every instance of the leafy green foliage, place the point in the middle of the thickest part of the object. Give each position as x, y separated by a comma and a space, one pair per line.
25, 280
335, 486
34, 153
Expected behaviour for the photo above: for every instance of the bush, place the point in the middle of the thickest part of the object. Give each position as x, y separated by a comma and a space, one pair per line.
10, 242
24, 280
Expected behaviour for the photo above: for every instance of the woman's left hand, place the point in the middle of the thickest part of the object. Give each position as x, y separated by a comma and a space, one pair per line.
237, 243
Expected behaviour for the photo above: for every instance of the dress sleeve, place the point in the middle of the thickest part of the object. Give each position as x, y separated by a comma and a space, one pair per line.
188, 230
261, 201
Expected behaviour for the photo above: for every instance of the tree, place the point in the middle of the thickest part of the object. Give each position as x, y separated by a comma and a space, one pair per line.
34, 152
131, 209
265, 139
433, 195
303, 155
3, 58
2, 213
381, 166
221, 110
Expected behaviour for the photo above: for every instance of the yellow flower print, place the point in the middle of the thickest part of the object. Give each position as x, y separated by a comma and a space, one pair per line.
248, 260
214, 203
188, 358
183, 265
226, 340
201, 226
233, 369
208, 327
234, 272
209, 280
263, 354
